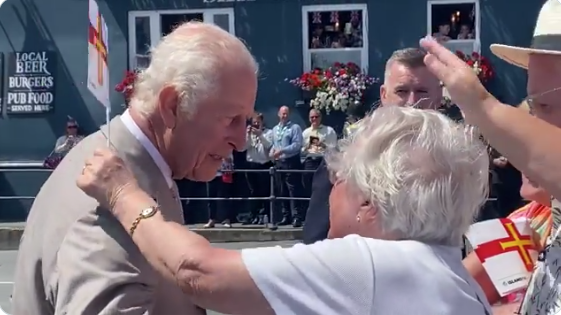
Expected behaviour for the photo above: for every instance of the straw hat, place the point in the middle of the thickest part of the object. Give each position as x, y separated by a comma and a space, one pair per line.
546, 39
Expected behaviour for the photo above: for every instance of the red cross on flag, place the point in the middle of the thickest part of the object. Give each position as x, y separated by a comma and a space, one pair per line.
506, 250
98, 50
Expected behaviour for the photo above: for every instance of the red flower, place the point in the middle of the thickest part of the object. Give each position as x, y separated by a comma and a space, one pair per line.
126, 86
342, 71
470, 62
460, 54
475, 55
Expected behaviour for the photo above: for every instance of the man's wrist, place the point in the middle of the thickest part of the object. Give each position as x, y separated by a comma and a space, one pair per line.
476, 114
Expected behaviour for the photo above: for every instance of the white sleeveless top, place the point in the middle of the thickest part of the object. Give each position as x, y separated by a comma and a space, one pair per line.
362, 276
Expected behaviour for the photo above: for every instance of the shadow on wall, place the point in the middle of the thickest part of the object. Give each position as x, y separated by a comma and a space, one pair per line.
510, 30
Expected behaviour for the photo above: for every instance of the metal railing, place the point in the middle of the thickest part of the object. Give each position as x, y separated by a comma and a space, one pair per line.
272, 198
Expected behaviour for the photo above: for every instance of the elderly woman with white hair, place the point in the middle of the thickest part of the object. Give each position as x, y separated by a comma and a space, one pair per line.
407, 185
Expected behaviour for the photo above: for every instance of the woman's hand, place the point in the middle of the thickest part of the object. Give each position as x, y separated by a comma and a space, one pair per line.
106, 178
460, 80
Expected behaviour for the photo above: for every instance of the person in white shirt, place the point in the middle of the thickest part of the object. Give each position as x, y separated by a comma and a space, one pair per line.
318, 138
407, 185
259, 141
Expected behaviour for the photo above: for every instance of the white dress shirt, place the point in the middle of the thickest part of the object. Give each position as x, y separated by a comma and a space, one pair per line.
127, 120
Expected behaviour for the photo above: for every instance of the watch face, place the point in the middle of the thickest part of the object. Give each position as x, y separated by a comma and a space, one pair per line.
148, 212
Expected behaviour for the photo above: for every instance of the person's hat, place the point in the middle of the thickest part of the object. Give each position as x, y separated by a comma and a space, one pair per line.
546, 39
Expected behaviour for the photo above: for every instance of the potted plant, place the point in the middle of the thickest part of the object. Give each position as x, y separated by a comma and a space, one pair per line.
337, 88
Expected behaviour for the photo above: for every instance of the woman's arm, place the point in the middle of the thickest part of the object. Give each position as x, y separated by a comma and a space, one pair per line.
261, 281
213, 278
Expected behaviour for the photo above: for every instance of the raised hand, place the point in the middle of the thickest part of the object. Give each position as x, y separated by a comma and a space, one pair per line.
460, 81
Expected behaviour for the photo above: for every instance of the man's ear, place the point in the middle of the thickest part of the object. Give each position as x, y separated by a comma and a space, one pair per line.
383, 93
168, 103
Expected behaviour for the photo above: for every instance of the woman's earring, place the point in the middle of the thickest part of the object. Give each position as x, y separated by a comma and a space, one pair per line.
358, 218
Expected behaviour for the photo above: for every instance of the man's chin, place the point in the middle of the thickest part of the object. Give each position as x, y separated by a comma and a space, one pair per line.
203, 174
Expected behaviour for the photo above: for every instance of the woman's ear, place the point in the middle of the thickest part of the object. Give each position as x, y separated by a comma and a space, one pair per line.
367, 210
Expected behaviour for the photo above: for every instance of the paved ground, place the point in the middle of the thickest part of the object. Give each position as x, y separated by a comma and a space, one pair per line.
8, 262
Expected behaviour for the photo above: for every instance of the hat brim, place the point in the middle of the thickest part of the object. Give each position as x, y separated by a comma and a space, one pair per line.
518, 56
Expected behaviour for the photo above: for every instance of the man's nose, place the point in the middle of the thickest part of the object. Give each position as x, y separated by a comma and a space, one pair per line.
413, 98
238, 137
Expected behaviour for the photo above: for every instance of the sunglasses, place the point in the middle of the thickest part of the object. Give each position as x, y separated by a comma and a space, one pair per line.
531, 99
71, 127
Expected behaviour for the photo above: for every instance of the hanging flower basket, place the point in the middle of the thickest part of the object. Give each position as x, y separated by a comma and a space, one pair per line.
126, 87
336, 88
479, 64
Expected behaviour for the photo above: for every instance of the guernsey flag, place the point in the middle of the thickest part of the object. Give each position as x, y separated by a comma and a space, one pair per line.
506, 250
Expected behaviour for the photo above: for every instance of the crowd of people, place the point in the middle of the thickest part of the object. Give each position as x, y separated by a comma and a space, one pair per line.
105, 234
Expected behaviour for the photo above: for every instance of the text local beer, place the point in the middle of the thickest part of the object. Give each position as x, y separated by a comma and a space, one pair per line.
31, 82
32, 62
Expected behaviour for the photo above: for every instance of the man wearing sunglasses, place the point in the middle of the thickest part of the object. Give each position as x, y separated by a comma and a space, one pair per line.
407, 82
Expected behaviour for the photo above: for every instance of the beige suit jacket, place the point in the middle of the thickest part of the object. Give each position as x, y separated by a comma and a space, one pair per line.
75, 258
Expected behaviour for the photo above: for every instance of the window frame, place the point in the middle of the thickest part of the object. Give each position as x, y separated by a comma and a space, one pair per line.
307, 52
155, 25
477, 41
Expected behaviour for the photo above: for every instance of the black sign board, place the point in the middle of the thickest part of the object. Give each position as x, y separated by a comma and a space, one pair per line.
30, 86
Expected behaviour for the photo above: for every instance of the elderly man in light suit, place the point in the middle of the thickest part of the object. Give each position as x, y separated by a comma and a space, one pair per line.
75, 258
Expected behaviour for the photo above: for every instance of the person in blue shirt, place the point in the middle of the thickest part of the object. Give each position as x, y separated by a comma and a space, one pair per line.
285, 153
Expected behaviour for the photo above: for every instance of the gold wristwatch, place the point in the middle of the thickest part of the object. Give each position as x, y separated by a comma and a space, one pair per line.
144, 214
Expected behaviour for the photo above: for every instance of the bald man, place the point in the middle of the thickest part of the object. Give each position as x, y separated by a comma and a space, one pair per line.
285, 153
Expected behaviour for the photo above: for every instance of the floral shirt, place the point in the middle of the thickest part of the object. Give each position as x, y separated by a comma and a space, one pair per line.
543, 296
540, 221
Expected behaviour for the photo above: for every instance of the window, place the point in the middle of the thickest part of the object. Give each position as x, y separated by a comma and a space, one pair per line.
334, 33
455, 23
146, 28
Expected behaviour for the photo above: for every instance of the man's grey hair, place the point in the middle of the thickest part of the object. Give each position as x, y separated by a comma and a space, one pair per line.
425, 174
191, 59
410, 57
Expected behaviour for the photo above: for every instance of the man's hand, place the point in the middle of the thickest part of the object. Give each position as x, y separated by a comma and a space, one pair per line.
460, 80
256, 131
500, 161
277, 154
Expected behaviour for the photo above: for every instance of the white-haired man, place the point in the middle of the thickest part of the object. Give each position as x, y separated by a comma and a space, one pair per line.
407, 82
408, 185
74, 256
